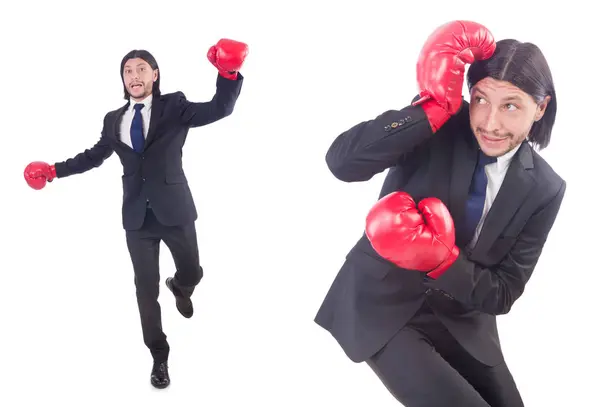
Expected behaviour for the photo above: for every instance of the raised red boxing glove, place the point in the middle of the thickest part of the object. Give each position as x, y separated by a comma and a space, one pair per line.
38, 173
441, 67
228, 56
413, 237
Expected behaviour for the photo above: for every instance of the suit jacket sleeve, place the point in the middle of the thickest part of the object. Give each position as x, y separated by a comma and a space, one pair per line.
494, 290
86, 160
373, 146
196, 114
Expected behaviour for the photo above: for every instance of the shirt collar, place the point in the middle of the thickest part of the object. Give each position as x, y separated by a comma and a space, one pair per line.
504, 160
147, 102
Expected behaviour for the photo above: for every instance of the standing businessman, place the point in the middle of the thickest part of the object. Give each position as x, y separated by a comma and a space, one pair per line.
461, 221
148, 134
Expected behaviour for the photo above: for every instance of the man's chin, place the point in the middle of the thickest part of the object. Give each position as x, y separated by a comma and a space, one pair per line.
493, 147
137, 94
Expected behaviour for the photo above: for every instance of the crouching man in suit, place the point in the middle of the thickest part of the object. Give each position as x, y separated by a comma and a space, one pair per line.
148, 134
461, 221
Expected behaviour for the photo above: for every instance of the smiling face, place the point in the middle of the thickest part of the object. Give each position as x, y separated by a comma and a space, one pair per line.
138, 78
502, 115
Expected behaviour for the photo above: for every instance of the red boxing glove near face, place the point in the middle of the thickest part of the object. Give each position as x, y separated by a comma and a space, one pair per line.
228, 56
415, 238
441, 66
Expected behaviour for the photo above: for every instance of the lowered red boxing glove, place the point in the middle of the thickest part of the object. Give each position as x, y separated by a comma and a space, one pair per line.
415, 238
441, 67
228, 56
38, 173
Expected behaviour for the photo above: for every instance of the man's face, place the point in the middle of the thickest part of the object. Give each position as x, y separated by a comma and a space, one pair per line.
502, 115
138, 78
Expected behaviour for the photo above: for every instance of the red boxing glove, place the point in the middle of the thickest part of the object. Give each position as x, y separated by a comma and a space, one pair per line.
38, 173
441, 67
415, 238
228, 56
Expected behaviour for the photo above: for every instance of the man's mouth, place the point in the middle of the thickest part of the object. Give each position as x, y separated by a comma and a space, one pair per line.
136, 86
493, 139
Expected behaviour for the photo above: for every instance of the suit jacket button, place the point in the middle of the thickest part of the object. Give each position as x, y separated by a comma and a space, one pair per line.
387, 128
394, 125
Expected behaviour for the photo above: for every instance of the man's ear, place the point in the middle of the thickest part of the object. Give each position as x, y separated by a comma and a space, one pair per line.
541, 108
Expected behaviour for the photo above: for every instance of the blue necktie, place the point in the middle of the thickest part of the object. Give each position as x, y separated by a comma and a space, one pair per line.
137, 129
476, 198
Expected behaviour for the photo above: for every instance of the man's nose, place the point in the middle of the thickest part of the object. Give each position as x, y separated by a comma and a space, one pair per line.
491, 122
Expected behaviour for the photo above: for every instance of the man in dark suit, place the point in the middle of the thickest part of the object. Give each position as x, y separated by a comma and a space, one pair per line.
148, 134
418, 295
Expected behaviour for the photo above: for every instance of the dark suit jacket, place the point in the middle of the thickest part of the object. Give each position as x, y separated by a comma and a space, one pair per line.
371, 298
157, 174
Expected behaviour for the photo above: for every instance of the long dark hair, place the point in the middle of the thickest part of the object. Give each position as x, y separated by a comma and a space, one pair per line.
523, 64
146, 56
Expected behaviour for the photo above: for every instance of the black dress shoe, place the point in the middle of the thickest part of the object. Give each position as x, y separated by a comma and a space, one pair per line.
184, 304
160, 375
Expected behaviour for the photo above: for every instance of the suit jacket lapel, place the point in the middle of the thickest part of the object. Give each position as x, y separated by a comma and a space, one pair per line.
116, 124
517, 185
155, 117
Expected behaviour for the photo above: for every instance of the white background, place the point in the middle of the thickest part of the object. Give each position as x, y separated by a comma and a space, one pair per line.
274, 224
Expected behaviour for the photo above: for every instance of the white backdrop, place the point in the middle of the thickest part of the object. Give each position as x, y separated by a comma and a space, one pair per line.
274, 224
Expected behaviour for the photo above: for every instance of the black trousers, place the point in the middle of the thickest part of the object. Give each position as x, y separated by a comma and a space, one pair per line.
144, 245
424, 366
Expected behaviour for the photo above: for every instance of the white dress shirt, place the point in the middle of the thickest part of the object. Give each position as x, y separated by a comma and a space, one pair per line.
128, 117
495, 174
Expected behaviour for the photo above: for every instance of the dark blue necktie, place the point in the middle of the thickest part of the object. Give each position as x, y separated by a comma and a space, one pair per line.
137, 129
476, 198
